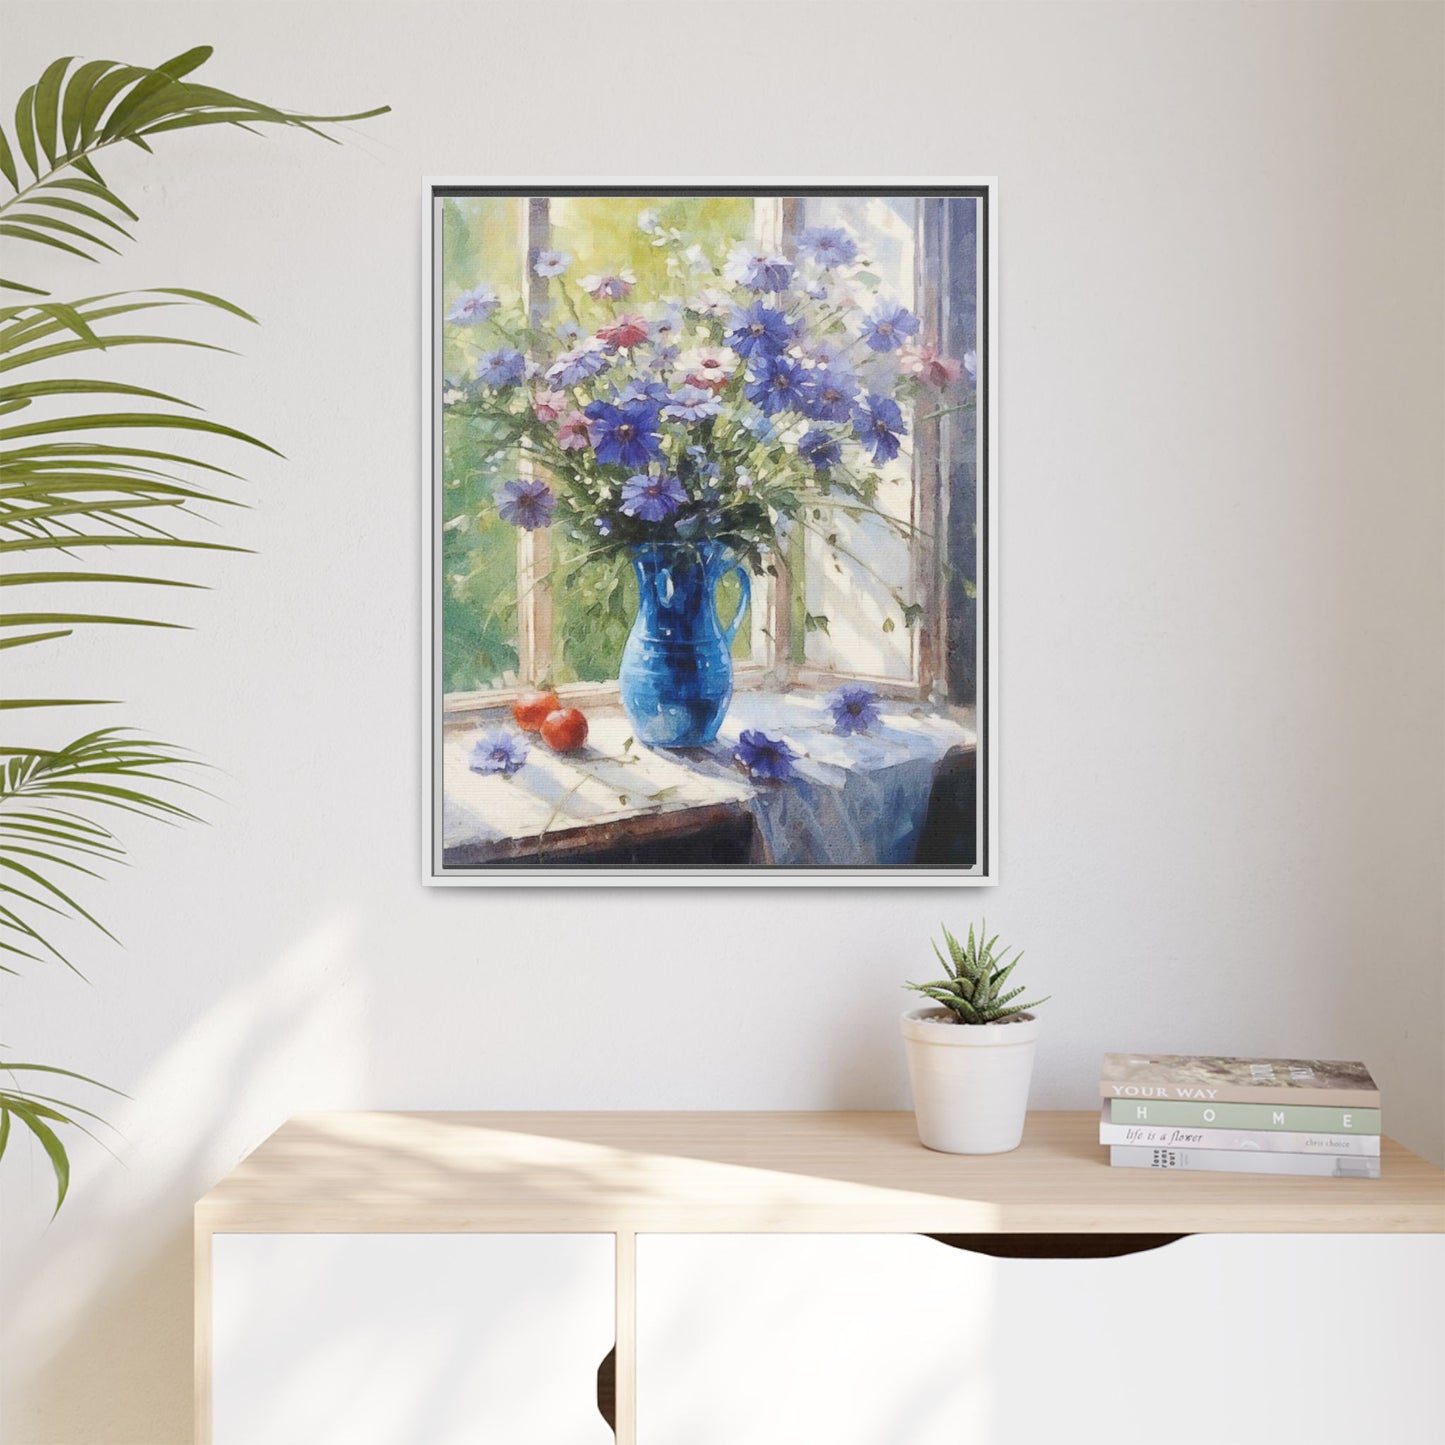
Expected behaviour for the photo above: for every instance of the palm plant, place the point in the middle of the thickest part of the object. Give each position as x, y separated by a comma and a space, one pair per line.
974, 987
78, 482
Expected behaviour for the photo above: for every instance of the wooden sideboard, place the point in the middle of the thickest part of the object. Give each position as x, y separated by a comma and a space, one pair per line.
660, 1223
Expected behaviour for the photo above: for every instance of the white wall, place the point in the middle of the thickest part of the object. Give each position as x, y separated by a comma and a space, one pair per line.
1221, 600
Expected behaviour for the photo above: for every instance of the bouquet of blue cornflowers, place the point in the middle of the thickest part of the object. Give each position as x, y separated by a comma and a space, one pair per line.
768, 387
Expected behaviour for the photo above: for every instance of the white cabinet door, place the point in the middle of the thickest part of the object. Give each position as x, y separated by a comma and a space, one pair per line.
410, 1339
900, 1340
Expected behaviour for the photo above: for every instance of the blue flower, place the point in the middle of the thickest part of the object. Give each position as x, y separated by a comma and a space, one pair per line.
501, 368
854, 709
758, 271
643, 389
829, 393
474, 306
691, 403
879, 423
652, 499
663, 357
820, 450
828, 245
569, 333
625, 436
776, 386
760, 428
765, 757
889, 327
759, 331
527, 503
498, 752
551, 263
668, 327
576, 366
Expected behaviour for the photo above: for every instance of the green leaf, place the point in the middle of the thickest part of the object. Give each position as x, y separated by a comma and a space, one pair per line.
25, 129
31, 390
78, 619
7, 161
32, 637
118, 420
22, 233
54, 223
10, 704
47, 108
50, 1142
102, 93
77, 89
78, 208
187, 61
66, 348
47, 579
99, 191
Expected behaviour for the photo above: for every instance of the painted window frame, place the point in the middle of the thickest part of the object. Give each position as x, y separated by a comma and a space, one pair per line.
777, 221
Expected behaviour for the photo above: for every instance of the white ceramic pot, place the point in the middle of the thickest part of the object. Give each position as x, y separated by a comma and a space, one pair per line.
970, 1081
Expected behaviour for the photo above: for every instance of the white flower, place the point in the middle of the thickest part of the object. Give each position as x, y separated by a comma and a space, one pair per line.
692, 258
710, 302
710, 366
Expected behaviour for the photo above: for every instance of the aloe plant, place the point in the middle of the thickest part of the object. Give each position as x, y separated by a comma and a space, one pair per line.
78, 482
974, 987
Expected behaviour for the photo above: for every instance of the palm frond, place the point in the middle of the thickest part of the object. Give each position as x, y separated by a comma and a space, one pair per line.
70, 115
40, 1113
80, 479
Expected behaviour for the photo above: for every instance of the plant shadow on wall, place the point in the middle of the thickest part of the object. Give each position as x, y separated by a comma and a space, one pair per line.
83, 473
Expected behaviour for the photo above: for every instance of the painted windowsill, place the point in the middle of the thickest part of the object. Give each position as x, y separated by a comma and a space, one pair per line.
614, 790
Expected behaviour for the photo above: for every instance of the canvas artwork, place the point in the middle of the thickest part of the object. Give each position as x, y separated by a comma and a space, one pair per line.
708, 546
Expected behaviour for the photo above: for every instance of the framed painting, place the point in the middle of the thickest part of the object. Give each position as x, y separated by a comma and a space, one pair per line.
709, 474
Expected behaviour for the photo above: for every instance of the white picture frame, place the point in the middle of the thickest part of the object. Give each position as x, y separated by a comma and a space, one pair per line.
985, 870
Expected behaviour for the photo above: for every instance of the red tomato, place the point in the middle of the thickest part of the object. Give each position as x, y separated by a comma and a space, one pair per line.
564, 730
531, 709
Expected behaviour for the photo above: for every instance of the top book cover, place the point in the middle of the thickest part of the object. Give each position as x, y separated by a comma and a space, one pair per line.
1245, 1081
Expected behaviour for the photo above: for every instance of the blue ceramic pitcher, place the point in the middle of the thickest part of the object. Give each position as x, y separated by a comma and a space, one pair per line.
676, 677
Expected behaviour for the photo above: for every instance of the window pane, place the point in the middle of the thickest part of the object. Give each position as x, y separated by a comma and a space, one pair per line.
481, 246
855, 562
593, 607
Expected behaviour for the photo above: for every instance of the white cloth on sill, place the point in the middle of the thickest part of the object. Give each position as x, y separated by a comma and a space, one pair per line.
859, 800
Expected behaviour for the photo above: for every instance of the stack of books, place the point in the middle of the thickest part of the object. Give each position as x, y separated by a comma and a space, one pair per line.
1241, 1116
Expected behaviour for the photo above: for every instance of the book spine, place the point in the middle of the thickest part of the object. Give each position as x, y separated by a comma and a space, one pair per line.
1297, 1118
1265, 1141
1233, 1161
1240, 1094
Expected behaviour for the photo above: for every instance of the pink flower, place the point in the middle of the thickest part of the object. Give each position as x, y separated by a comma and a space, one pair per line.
610, 288
575, 434
625, 332
924, 362
549, 405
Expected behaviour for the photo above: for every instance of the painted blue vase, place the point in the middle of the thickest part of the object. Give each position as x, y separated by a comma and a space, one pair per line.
676, 677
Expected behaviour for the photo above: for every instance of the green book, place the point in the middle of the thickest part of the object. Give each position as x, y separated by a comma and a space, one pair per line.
1306, 1118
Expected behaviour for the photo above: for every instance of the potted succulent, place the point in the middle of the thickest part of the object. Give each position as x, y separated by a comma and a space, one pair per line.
971, 1057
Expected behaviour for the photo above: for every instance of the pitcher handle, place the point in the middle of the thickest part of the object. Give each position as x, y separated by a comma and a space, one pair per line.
745, 595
